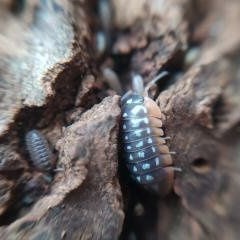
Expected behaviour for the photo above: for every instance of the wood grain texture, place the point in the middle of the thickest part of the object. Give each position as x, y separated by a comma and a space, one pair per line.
200, 107
43, 58
39, 45
87, 155
50, 80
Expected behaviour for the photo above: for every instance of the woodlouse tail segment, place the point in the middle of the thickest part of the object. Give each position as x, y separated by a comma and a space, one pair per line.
153, 82
166, 178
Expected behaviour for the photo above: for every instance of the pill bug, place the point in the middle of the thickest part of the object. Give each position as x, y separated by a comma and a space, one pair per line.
40, 154
146, 154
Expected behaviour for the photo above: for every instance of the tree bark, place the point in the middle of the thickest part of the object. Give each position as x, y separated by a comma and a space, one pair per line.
53, 58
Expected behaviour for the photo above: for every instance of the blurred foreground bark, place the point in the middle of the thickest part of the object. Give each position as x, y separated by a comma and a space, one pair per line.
51, 79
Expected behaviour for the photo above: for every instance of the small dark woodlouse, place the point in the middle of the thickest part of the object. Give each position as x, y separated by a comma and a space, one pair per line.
145, 151
40, 153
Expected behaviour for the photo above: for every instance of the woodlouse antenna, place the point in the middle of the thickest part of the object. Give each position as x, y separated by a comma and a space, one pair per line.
137, 84
152, 82
111, 78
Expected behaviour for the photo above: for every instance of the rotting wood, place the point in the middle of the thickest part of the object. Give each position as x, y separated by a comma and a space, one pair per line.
86, 191
40, 58
198, 42
42, 67
201, 115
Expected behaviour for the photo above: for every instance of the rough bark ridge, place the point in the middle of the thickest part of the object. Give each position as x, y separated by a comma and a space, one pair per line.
42, 66
201, 108
54, 76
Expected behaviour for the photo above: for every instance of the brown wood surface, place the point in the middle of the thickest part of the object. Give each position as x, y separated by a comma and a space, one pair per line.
53, 78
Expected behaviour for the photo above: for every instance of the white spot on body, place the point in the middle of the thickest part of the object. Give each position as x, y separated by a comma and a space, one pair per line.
124, 126
139, 144
157, 161
130, 157
137, 109
154, 149
149, 140
136, 122
35, 135
141, 154
138, 133
145, 166
148, 130
149, 177
129, 101
138, 100
129, 147
134, 169
126, 137
125, 115
138, 178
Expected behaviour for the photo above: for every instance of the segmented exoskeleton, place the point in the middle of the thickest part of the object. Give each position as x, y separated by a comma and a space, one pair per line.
39, 150
145, 151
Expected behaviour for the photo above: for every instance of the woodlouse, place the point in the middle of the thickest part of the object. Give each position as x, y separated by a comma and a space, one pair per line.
147, 156
39, 150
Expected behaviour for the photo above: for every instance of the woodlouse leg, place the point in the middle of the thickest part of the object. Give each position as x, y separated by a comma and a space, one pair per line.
169, 153
58, 169
177, 169
160, 141
166, 138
